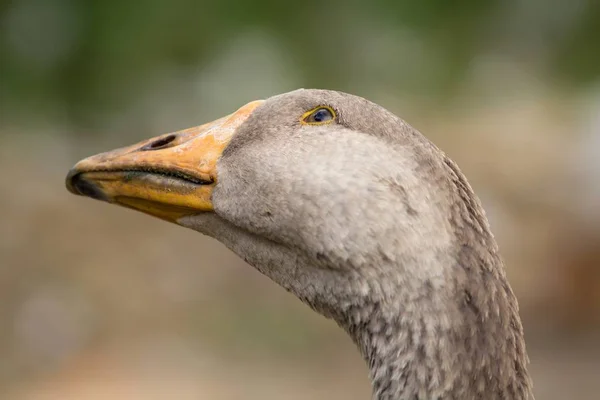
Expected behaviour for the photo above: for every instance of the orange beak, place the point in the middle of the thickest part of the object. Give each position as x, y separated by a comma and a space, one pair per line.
169, 176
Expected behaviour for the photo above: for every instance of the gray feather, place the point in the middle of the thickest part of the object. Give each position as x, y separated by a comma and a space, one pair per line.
368, 223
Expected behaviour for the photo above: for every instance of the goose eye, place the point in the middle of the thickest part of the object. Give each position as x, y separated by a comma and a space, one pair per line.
319, 116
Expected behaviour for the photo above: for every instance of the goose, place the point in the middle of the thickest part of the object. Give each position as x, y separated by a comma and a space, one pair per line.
356, 213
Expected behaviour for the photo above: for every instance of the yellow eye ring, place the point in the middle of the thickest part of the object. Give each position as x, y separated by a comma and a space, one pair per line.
321, 115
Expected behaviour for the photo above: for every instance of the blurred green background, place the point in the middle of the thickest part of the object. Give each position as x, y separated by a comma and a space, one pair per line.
98, 302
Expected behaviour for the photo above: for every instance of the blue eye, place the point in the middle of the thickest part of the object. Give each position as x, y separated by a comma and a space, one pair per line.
321, 115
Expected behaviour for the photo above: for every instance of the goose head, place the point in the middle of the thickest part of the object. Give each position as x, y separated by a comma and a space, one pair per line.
356, 213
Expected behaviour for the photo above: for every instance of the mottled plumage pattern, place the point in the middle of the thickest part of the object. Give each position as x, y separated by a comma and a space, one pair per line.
371, 225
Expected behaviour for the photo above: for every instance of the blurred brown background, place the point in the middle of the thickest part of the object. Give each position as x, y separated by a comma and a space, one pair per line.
98, 302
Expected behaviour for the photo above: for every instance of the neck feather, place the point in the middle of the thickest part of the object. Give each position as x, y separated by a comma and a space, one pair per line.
466, 343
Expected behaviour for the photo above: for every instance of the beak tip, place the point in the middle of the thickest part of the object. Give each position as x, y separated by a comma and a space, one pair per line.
78, 185
69, 180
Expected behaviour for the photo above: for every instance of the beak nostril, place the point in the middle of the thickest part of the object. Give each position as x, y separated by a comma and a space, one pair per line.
159, 143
